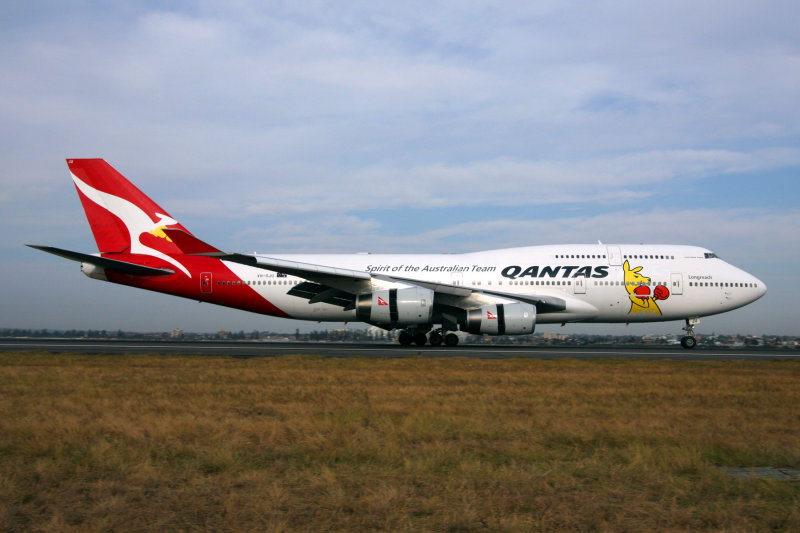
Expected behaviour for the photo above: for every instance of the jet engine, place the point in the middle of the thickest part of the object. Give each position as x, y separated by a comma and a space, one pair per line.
412, 305
502, 319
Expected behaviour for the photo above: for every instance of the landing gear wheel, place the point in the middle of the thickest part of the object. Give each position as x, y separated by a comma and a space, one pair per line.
420, 339
451, 339
689, 341
435, 339
405, 338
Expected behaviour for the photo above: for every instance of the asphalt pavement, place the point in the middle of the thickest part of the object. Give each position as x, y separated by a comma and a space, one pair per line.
376, 350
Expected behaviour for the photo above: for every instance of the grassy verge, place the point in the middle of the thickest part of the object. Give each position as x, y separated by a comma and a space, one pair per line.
134, 442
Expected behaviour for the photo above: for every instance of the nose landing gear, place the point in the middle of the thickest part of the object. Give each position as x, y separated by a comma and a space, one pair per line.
688, 341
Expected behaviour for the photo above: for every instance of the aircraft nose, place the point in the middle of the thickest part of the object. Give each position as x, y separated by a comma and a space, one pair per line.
762, 287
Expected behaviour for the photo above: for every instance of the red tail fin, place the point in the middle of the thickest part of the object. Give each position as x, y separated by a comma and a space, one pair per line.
122, 218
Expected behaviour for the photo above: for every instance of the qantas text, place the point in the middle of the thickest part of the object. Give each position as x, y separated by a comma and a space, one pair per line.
514, 272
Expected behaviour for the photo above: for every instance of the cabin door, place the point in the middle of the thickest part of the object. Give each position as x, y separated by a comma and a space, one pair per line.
580, 284
676, 283
205, 282
614, 255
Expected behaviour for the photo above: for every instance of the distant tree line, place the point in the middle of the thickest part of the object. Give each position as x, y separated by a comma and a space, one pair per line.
241, 335
71, 333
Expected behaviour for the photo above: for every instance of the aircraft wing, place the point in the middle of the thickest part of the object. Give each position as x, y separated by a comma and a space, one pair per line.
339, 286
544, 303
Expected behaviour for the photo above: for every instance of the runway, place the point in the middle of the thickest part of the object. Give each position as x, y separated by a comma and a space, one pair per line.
275, 349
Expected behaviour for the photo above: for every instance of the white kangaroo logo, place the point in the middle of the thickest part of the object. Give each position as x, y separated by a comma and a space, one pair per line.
136, 221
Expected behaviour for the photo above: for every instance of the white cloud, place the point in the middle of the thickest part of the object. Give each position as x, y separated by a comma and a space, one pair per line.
505, 182
749, 235
298, 117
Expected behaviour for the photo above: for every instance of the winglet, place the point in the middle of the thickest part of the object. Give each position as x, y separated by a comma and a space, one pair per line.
191, 245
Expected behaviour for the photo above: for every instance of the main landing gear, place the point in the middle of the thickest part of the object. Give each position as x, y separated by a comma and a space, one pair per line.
439, 336
688, 341
436, 338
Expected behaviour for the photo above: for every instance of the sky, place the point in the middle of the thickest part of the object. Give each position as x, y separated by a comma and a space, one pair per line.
283, 127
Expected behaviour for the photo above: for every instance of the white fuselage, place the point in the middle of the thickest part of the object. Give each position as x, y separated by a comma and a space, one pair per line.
600, 283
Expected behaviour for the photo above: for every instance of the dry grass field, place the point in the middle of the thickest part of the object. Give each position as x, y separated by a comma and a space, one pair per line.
167, 443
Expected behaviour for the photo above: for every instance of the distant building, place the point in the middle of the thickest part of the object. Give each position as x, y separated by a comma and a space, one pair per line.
549, 335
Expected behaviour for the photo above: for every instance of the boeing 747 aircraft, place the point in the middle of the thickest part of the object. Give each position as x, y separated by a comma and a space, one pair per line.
427, 296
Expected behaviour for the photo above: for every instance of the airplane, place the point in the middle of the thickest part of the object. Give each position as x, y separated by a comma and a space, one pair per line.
428, 297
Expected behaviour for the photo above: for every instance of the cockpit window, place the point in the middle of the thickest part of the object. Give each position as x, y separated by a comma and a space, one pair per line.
711, 255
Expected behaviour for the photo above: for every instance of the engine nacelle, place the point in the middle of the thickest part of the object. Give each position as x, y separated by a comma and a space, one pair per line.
502, 319
396, 307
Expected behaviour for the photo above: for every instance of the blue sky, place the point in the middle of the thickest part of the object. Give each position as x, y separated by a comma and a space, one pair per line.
363, 126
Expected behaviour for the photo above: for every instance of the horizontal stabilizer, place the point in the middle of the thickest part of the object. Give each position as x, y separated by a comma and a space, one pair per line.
103, 262
191, 245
